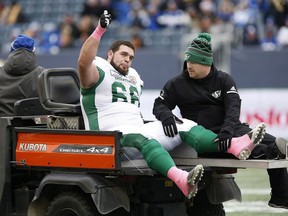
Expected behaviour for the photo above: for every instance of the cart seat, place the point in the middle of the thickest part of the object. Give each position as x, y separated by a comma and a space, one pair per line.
59, 91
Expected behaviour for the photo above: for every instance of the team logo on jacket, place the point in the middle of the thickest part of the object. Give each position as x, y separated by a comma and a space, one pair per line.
216, 94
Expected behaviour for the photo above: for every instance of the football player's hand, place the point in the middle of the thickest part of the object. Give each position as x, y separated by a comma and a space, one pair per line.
224, 141
169, 126
105, 19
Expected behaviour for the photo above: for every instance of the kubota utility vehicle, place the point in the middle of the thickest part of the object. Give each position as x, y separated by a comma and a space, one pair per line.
50, 165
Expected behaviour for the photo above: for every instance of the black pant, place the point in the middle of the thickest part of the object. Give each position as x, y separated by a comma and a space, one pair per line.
266, 150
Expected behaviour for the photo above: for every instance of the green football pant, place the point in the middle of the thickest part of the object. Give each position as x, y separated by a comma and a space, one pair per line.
201, 139
154, 154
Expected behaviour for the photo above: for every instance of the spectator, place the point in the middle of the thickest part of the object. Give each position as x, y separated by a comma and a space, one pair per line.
278, 10
92, 8
89, 16
250, 36
2, 7
33, 30
282, 35
12, 14
242, 14
205, 23
173, 16
269, 42
153, 13
207, 7
109, 6
19, 74
225, 10
137, 41
138, 16
122, 9
68, 31
85, 27
50, 39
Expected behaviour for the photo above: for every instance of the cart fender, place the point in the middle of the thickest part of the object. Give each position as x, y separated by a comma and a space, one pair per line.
222, 188
106, 195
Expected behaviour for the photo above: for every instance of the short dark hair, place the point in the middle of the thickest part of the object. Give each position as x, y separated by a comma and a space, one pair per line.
116, 45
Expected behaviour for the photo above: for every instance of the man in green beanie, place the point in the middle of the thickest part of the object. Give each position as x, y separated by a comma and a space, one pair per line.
210, 97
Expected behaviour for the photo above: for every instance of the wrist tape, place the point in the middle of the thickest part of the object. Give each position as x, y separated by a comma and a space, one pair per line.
98, 32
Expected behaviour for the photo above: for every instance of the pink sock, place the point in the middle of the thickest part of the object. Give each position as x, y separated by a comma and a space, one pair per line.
239, 144
234, 145
98, 32
179, 177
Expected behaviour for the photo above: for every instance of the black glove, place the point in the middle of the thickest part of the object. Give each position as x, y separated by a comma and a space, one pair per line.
224, 139
169, 126
105, 19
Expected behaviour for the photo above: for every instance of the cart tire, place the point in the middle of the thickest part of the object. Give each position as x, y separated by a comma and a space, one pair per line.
71, 203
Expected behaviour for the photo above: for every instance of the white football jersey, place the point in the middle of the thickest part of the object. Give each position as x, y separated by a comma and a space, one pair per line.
113, 103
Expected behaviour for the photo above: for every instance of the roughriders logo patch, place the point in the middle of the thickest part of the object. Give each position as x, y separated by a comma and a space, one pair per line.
186, 56
133, 79
216, 94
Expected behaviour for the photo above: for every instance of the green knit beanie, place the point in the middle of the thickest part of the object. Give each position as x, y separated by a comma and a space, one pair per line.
200, 51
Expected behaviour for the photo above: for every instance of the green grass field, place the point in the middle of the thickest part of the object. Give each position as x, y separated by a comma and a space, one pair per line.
255, 188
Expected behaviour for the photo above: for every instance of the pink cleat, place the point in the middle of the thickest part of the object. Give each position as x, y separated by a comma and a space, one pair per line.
186, 182
241, 147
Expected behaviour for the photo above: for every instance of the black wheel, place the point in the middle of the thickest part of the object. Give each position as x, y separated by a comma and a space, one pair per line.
203, 207
71, 203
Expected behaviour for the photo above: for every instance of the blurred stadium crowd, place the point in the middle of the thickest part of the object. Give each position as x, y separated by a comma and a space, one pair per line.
58, 25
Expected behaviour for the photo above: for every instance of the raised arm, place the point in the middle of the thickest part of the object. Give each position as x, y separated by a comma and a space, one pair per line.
88, 72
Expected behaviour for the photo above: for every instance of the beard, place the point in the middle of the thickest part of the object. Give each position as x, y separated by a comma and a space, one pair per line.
120, 70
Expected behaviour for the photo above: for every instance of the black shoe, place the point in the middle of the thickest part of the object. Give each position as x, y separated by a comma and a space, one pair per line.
281, 147
278, 201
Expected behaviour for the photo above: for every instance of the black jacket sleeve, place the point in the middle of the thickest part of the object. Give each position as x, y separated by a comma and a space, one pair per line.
232, 104
164, 103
